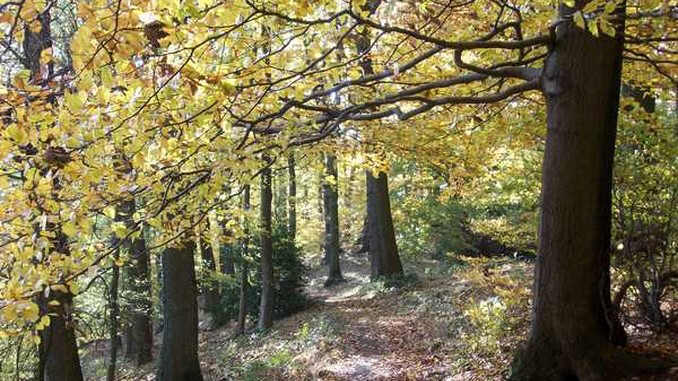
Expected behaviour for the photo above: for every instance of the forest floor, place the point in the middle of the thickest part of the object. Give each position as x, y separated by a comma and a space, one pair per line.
455, 321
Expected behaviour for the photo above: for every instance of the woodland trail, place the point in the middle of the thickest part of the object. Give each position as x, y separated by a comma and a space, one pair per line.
452, 324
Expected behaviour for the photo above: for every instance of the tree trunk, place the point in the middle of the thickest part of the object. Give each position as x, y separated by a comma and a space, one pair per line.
331, 207
363, 241
211, 292
573, 333
266, 303
179, 353
384, 258
113, 317
58, 350
138, 313
292, 196
244, 283
59, 359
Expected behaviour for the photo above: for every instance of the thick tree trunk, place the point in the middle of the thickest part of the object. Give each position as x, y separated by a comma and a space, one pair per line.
266, 303
179, 353
292, 196
384, 258
244, 283
574, 331
331, 207
138, 311
59, 359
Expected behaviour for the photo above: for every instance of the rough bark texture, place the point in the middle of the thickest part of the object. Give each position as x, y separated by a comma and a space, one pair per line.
244, 283
573, 333
384, 258
266, 303
292, 196
179, 353
331, 207
138, 310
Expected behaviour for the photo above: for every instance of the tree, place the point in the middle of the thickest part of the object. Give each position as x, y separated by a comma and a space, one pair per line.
179, 353
137, 311
292, 195
114, 314
210, 288
266, 303
331, 207
384, 258
244, 268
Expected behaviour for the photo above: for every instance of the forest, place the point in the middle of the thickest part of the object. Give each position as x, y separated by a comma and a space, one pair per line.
458, 190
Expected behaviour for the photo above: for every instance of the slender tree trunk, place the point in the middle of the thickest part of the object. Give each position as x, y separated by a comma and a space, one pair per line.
266, 304
212, 295
138, 311
244, 283
384, 258
179, 353
573, 333
331, 207
292, 196
113, 318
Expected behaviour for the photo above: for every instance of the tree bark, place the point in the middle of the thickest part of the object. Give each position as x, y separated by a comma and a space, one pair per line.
384, 258
113, 317
59, 360
138, 312
266, 303
244, 283
292, 196
331, 207
179, 353
574, 332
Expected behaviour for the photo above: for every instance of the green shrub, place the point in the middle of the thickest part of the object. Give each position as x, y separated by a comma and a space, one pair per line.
289, 274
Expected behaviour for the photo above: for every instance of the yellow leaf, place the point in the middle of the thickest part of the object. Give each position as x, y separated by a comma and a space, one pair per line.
109, 211
43, 323
69, 229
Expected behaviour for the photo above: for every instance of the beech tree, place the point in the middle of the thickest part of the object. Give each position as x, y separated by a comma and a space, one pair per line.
137, 310
179, 352
266, 302
331, 208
